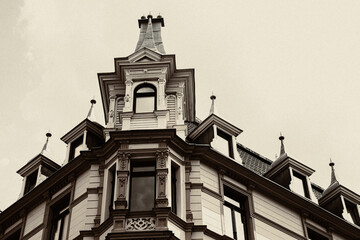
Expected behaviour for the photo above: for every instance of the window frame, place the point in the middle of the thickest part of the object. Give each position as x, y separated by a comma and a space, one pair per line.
29, 183
55, 209
312, 230
75, 144
351, 209
305, 186
243, 209
143, 95
144, 163
227, 137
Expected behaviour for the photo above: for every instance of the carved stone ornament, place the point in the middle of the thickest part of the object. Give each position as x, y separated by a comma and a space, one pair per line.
162, 185
140, 224
127, 98
124, 160
162, 158
122, 183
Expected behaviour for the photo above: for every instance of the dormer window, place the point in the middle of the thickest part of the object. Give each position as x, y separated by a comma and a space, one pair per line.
31, 181
299, 184
144, 98
351, 209
75, 147
225, 144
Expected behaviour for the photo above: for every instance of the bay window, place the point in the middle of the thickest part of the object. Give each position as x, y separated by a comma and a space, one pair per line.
142, 186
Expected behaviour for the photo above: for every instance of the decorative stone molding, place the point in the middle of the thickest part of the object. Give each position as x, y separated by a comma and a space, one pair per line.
162, 158
123, 179
161, 175
161, 93
111, 113
140, 224
128, 95
123, 160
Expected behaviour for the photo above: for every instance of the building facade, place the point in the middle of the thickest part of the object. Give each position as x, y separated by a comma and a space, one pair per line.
155, 171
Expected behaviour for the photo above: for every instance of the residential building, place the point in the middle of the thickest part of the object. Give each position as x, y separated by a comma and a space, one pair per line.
156, 171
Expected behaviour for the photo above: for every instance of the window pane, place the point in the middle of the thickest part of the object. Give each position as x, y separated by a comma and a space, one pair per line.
222, 146
144, 169
232, 201
239, 226
145, 104
228, 222
142, 193
145, 90
297, 185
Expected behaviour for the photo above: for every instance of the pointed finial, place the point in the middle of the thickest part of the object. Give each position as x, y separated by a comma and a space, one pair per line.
44, 149
150, 33
91, 114
150, 16
282, 148
333, 177
212, 108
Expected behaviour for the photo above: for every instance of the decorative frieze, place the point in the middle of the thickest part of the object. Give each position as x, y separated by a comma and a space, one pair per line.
140, 224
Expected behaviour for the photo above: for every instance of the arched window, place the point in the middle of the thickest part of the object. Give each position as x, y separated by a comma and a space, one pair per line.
144, 98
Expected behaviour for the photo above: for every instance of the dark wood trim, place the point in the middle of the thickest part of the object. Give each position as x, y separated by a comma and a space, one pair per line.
212, 193
33, 232
278, 226
79, 199
16, 228
316, 229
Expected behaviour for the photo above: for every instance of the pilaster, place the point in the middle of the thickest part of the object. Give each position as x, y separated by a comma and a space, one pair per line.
161, 178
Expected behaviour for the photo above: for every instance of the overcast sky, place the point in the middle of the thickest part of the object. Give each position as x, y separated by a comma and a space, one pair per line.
289, 66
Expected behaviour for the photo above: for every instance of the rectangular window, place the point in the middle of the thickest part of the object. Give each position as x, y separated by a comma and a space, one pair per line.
75, 147
142, 186
15, 235
59, 215
112, 179
225, 143
174, 171
351, 208
31, 181
234, 214
299, 185
314, 235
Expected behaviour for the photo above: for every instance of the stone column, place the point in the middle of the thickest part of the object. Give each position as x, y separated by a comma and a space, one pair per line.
123, 173
161, 178
161, 94
119, 215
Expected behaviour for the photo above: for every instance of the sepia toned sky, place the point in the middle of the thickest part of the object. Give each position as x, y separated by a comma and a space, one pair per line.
275, 66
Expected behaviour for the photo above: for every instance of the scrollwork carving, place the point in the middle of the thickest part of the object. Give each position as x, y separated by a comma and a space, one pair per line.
140, 224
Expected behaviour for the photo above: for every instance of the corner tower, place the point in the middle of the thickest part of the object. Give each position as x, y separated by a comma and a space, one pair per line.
147, 91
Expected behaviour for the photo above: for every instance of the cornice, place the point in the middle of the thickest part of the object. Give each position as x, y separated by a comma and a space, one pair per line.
35, 162
284, 162
86, 124
214, 120
276, 191
340, 190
